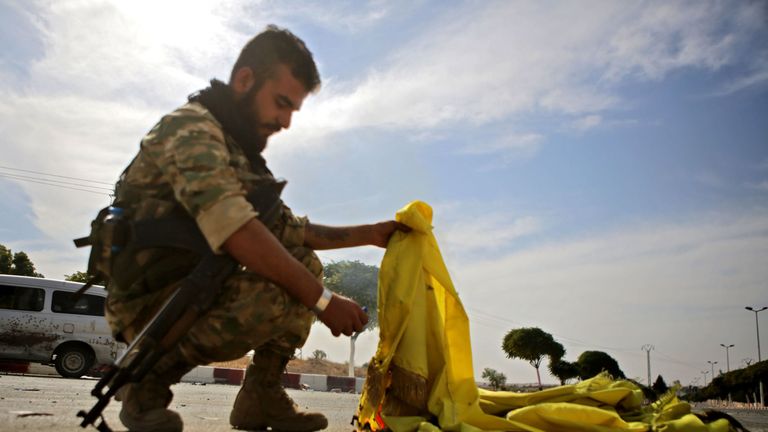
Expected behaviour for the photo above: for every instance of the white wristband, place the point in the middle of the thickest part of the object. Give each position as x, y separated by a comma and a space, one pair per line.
323, 301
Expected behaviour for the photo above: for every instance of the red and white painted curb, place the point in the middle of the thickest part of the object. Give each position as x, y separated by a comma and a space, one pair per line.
27, 368
211, 375
216, 375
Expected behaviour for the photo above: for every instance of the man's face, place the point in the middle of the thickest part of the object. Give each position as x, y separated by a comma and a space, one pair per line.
269, 108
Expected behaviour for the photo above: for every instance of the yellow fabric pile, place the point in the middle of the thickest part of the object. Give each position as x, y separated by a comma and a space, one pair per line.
421, 377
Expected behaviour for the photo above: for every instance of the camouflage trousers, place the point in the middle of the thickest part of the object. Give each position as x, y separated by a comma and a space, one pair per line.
249, 313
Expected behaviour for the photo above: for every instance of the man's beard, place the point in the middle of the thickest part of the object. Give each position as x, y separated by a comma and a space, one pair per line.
248, 111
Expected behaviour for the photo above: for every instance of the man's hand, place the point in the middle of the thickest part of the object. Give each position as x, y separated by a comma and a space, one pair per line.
382, 231
343, 316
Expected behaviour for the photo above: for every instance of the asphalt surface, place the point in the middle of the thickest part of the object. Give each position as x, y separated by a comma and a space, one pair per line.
755, 421
36, 403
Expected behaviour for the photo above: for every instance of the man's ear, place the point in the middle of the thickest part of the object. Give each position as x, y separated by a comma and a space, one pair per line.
242, 81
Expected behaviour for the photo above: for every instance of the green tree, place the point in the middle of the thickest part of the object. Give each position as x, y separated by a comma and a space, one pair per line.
495, 378
359, 282
532, 344
563, 370
592, 363
659, 386
319, 355
77, 276
6, 260
17, 263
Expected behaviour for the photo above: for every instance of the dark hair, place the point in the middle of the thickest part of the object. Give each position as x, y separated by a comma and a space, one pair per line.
276, 46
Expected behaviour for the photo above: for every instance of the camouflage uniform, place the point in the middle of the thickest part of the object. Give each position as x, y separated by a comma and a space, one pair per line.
187, 165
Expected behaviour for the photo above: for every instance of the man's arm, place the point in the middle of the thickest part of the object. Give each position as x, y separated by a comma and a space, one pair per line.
321, 237
254, 246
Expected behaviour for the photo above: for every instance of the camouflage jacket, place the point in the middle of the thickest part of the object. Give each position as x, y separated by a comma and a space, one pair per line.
187, 165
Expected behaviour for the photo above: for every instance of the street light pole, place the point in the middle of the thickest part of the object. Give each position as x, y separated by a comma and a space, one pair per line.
712, 366
705, 377
757, 327
727, 356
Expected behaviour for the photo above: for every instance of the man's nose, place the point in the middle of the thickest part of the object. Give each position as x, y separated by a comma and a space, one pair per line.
284, 120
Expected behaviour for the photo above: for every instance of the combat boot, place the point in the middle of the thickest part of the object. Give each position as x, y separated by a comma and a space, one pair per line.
262, 401
145, 404
145, 408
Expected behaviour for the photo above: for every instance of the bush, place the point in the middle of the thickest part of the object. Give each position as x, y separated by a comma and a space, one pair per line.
738, 384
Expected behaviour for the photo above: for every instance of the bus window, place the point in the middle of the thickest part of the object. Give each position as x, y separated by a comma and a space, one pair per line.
61, 302
21, 298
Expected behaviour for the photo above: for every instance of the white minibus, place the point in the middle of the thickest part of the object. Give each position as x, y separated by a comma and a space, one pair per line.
40, 323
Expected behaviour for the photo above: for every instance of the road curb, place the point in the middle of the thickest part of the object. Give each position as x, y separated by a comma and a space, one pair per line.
27, 368
218, 375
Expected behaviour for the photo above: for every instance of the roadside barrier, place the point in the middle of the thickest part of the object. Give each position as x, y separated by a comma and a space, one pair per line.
211, 375
724, 404
218, 375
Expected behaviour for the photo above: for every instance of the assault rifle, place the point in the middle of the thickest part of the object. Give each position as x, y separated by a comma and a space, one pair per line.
191, 300
169, 325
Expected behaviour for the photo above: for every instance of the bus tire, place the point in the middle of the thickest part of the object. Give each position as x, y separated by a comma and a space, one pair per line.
73, 361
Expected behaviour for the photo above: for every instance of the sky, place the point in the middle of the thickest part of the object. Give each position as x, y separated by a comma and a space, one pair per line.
597, 169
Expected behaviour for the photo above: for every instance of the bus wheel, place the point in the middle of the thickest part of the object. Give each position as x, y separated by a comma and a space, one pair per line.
73, 361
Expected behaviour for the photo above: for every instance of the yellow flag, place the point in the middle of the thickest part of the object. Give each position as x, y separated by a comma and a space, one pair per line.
422, 378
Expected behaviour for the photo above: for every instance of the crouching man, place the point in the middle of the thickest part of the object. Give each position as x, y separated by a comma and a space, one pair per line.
202, 161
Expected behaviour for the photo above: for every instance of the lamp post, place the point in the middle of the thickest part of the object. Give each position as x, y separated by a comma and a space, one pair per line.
705, 377
727, 356
712, 366
757, 327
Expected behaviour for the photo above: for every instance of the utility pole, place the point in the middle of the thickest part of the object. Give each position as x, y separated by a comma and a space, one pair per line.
647, 348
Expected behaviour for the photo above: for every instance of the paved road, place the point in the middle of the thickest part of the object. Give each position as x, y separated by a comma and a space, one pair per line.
35, 403
755, 421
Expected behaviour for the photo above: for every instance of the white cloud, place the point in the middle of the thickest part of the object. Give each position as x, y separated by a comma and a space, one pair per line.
621, 289
612, 291
347, 16
94, 142
743, 83
587, 122
499, 60
472, 64
107, 72
121, 51
487, 233
511, 145
595, 121
711, 179
761, 186
667, 36
756, 77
